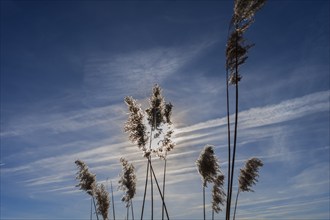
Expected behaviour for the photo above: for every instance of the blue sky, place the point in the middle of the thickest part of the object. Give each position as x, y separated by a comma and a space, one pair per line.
66, 67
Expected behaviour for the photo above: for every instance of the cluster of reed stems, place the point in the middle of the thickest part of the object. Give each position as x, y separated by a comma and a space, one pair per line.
236, 55
151, 130
156, 141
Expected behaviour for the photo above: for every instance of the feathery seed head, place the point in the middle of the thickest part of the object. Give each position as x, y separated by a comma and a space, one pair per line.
158, 117
244, 11
103, 201
134, 125
249, 174
218, 193
155, 112
127, 181
207, 165
87, 180
236, 50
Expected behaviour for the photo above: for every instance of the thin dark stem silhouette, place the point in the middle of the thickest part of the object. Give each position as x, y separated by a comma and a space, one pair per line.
91, 208
229, 147
160, 192
113, 203
152, 193
97, 217
127, 212
165, 162
149, 160
236, 204
132, 210
236, 122
204, 215
145, 190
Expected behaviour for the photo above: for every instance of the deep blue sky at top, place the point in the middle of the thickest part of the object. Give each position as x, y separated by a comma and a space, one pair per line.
53, 39
67, 65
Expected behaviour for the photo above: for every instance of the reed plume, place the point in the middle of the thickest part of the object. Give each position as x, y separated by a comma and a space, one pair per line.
87, 181
248, 177
157, 117
127, 183
134, 125
209, 169
103, 201
218, 194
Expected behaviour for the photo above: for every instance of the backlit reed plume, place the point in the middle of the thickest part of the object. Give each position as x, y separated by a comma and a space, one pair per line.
134, 125
208, 167
158, 118
218, 194
155, 112
236, 55
87, 181
103, 201
127, 183
248, 177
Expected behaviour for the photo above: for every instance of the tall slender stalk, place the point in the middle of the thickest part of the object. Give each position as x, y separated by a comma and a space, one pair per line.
165, 162
127, 212
235, 128
97, 217
204, 214
132, 210
229, 147
91, 208
149, 161
160, 192
236, 55
145, 190
236, 204
113, 203
152, 193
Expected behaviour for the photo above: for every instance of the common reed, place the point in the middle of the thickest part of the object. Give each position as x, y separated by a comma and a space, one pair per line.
157, 117
236, 55
248, 177
87, 181
209, 169
103, 201
127, 183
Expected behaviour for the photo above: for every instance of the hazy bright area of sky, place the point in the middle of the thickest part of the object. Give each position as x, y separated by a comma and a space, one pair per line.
66, 67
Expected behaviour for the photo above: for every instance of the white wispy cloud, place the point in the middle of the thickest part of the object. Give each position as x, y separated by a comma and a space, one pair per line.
198, 134
64, 122
266, 115
131, 73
